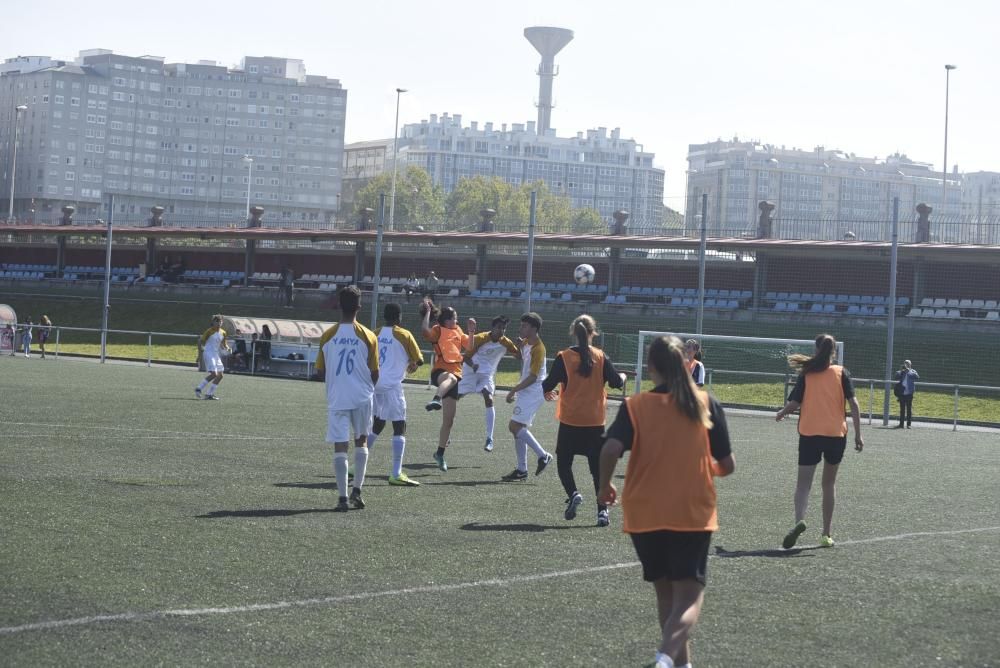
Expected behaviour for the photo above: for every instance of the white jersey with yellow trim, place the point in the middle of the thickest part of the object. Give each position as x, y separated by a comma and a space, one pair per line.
396, 349
348, 355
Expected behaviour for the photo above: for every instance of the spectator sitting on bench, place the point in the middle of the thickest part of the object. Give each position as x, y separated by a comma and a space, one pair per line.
238, 358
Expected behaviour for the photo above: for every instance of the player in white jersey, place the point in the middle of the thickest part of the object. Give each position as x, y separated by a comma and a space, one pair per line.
398, 355
480, 367
348, 362
210, 347
529, 397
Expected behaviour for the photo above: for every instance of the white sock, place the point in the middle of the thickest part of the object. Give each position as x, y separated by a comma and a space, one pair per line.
340, 471
398, 447
522, 453
360, 466
371, 439
531, 442
211, 389
491, 418
664, 660
202, 384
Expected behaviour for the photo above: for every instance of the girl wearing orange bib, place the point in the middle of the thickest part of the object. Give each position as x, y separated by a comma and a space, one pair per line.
679, 441
820, 392
582, 371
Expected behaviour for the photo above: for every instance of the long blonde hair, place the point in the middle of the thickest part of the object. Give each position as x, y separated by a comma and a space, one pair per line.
666, 356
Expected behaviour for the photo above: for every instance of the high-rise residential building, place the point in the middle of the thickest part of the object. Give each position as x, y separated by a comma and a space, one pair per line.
599, 170
171, 134
808, 188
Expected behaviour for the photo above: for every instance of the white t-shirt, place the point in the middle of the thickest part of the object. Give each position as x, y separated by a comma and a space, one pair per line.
347, 356
489, 352
212, 342
396, 349
533, 362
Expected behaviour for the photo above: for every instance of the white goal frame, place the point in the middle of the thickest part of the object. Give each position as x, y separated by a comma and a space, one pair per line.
640, 358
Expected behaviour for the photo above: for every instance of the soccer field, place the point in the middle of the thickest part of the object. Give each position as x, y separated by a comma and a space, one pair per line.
141, 526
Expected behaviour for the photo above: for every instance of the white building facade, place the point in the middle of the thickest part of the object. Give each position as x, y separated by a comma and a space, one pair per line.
599, 170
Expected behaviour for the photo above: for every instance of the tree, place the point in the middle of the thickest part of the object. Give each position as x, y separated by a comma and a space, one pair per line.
418, 200
554, 213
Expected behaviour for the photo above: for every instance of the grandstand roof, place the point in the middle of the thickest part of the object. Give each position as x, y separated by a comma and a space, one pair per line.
929, 250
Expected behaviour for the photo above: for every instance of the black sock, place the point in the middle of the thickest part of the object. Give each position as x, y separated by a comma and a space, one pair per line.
440, 452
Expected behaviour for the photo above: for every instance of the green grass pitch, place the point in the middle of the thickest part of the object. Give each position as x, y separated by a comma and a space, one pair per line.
203, 532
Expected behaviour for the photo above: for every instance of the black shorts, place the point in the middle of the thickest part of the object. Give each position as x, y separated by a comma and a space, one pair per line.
674, 555
573, 440
814, 448
453, 392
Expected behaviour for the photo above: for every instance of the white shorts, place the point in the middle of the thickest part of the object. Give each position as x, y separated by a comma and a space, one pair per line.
340, 423
474, 383
213, 364
390, 404
526, 405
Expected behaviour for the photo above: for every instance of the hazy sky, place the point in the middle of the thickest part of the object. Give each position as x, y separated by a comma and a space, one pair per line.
864, 77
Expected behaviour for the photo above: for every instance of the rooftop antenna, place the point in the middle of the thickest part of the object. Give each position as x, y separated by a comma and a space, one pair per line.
548, 42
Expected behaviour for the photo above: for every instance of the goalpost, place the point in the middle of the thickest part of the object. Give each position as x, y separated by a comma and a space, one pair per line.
754, 359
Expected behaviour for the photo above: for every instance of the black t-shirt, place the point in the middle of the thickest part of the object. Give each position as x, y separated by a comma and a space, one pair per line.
718, 436
558, 374
799, 390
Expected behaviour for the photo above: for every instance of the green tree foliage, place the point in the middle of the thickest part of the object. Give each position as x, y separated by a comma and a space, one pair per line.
554, 213
418, 200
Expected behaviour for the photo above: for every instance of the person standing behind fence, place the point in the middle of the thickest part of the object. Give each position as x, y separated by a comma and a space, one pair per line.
264, 359
348, 361
906, 379
398, 355
582, 371
26, 336
431, 284
211, 344
288, 286
679, 442
692, 359
821, 390
45, 327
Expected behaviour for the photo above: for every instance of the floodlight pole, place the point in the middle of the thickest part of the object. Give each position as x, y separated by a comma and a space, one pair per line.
107, 281
531, 250
702, 248
378, 259
892, 311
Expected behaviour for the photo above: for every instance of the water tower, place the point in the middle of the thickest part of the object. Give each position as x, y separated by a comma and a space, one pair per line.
548, 42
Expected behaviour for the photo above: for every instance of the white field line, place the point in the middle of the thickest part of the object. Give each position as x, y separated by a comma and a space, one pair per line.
84, 427
407, 591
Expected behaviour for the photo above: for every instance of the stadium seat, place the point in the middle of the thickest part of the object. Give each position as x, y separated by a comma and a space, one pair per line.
853, 309
990, 304
610, 299
676, 301
829, 308
854, 299
926, 301
782, 296
780, 306
915, 312
939, 303
993, 315
940, 313
816, 308
843, 299
902, 301
878, 310
954, 314
792, 306
771, 296
866, 299
620, 299
865, 310
977, 303
965, 303
566, 297
952, 303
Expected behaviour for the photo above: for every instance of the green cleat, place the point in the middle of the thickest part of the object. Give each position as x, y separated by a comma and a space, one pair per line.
793, 535
826, 541
442, 464
403, 480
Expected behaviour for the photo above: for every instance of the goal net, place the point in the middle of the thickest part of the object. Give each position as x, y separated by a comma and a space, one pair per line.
739, 370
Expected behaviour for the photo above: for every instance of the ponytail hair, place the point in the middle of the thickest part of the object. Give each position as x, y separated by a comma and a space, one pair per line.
583, 328
826, 349
666, 356
445, 314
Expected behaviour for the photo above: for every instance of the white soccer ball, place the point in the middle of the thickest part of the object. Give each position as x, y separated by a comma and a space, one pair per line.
584, 274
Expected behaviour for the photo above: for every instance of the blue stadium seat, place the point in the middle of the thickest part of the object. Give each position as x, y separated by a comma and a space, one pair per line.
780, 306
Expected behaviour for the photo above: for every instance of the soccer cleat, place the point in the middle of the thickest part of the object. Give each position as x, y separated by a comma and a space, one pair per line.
403, 480
197, 392
542, 463
356, 499
211, 397
515, 475
602, 518
341, 505
826, 541
793, 535
442, 464
489, 445
433, 405
572, 504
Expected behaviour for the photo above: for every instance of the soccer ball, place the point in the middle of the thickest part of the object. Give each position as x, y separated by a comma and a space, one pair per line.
584, 274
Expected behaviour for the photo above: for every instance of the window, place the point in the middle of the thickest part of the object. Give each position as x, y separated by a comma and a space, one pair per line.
70, 176
252, 69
